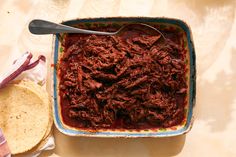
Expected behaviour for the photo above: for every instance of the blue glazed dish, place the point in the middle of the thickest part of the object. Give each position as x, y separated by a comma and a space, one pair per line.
159, 132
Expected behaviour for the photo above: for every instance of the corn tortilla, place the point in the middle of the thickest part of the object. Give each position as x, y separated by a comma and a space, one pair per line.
43, 95
24, 117
36, 148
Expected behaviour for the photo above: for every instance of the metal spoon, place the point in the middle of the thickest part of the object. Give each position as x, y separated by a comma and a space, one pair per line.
46, 27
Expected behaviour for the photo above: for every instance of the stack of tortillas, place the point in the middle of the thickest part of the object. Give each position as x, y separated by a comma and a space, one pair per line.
25, 116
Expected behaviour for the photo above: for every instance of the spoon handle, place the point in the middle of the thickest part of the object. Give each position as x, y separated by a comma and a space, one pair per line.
45, 27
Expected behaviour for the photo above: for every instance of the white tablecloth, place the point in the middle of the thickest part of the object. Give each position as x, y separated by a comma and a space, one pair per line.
214, 31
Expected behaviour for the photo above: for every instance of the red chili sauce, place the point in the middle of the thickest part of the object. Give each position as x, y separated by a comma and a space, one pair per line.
134, 80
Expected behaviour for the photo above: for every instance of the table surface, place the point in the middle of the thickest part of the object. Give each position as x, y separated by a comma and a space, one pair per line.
214, 31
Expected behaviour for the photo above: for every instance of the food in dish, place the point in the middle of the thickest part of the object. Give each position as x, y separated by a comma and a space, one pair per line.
135, 80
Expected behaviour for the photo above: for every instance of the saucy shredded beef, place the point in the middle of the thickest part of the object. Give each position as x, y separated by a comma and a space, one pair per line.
135, 80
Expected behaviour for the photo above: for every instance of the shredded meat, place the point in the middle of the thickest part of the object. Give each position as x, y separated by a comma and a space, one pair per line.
130, 82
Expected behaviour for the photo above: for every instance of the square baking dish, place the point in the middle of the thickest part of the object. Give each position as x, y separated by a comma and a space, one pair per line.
164, 23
